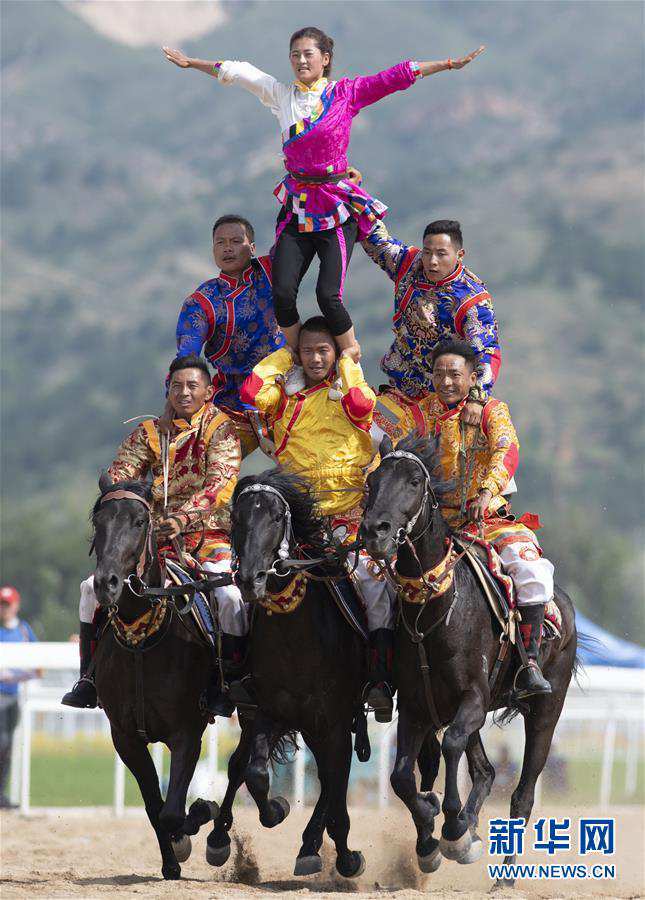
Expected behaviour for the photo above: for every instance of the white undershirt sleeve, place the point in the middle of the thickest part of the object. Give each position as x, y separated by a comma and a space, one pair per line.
266, 88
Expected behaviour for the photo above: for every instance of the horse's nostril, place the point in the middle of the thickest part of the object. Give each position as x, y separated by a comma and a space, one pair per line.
384, 528
113, 582
260, 576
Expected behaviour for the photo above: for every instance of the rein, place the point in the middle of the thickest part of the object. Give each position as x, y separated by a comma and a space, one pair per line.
284, 565
436, 581
134, 637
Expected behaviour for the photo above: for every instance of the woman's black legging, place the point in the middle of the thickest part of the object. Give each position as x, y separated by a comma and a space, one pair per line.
293, 255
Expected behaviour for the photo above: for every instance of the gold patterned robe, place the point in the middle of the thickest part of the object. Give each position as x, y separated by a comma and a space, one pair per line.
495, 451
204, 463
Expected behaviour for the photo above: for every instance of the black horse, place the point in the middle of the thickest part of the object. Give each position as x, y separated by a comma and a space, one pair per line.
307, 664
461, 644
150, 691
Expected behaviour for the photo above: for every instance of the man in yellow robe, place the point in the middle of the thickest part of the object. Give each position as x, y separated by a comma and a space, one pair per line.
322, 433
482, 461
203, 466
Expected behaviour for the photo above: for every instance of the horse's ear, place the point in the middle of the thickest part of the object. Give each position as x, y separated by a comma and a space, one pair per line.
105, 482
386, 446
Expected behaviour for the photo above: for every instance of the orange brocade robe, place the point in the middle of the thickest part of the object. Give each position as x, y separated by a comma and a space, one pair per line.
495, 451
204, 463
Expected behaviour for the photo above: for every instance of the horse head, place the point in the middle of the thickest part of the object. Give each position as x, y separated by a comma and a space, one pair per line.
402, 495
123, 538
267, 510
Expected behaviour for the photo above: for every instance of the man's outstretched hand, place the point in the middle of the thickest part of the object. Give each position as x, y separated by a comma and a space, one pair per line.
177, 58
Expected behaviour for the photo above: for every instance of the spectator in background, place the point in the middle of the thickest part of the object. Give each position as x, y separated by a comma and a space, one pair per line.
12, 630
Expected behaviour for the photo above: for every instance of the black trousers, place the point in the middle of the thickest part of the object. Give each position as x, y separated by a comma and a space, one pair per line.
8, 722
293, 255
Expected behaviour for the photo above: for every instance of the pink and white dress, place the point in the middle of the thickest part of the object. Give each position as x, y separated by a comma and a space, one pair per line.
316, 124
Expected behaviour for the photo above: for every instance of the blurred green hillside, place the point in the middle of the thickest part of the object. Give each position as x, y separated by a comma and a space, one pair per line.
116, 163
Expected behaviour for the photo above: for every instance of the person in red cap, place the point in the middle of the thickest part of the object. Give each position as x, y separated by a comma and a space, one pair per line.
12, 630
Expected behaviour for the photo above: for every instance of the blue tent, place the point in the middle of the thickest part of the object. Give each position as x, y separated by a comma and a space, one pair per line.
606, 649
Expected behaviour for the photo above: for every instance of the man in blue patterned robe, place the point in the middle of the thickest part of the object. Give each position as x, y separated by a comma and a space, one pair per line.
436, 299
231, 318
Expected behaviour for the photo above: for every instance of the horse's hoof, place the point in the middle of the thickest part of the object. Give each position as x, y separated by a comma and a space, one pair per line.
281, 809
455, 849
171, 873
182, 847
217, 856
475, 852
351, 865
431, 862
308, 865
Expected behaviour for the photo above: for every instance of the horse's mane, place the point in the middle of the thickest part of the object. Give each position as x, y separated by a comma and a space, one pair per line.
142, 488
306, 521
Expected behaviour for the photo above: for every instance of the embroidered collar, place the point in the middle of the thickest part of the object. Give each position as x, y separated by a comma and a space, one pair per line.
452, 277
316, 88
414, 590
184, 424
326, 382
450, 411
235, 282
289, 598
133, 633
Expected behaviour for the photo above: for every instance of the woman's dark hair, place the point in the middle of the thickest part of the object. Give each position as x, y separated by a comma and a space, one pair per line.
324, 43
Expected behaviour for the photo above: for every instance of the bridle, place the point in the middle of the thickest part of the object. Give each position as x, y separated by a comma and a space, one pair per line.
146, 556
287, 535
403, 534
285, 564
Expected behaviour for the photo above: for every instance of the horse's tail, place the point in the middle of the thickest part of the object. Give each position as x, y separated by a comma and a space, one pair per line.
584, 642
283, 746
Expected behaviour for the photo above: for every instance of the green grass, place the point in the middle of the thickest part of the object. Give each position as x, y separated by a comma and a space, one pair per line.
80, 772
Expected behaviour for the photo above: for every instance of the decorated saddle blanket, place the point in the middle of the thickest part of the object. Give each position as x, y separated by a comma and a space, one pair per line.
201, 611
484, 559
341, 590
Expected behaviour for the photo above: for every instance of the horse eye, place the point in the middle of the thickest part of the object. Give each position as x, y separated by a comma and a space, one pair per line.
415, 482
139, 523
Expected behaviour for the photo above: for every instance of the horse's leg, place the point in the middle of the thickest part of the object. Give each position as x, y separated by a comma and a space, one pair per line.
184, 754
428, 763
218, 843
135, 755
274, 811
482, 775
410, 738
471, 715
308, 861
337, 764
539, 725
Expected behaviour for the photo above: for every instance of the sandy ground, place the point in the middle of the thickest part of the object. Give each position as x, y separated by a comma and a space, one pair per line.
62, 855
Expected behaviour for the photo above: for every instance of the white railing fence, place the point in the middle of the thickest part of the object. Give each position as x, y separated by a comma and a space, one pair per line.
611, 698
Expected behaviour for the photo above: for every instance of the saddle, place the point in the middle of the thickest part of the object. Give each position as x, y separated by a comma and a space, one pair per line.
201, 612
499, 591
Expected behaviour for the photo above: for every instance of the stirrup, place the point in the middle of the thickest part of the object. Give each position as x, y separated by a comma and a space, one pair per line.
380, 698
242, 698
82, 695
536, 683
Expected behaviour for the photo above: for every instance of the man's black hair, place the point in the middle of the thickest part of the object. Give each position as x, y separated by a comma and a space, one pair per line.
446, 226
192, 361
457, 348
233, 219
317, 324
